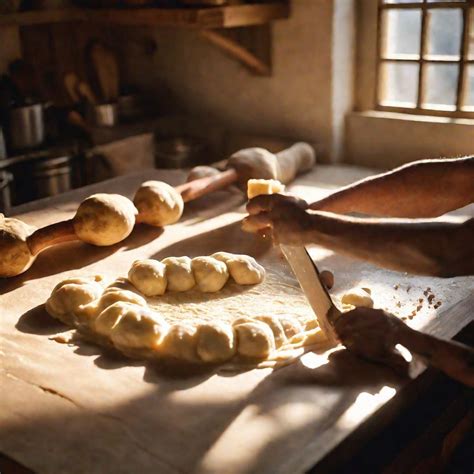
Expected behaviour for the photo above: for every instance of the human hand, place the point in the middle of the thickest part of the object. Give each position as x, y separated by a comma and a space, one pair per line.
372, 334
285, 217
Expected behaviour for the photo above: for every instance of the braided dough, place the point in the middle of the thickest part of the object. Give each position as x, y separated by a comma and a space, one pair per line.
178, 324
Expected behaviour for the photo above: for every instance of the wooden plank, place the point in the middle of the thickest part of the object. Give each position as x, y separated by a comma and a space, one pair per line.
59, 15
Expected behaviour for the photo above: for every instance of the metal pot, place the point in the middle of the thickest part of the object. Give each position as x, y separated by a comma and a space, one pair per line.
52, 176
103, 115
26, 126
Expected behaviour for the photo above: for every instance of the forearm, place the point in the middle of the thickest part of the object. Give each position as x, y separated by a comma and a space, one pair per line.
456, 360
428, 188
420, 247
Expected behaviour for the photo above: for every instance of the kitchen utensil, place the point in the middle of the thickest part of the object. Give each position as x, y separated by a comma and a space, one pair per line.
26, 126
107, 71
71, 83
86, 93
316, 293
103, 115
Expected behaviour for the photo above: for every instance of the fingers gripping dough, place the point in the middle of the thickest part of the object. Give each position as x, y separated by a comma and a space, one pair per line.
138, 328
16, 256
244, 269
104, 219
179, 273
149, 277
215, 342
180, 342
358, 297
69, 296
255, 339
210, 274
158, 203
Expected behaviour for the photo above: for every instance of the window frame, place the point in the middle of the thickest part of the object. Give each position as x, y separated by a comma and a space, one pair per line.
467, 9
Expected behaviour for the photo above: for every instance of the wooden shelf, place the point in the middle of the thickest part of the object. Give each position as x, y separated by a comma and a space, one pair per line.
211, 17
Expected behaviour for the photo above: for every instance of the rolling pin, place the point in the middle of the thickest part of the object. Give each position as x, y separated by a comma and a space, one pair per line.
101, 219
159, 204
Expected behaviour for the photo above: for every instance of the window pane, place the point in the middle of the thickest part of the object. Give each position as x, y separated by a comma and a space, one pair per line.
471, 34
469, 104
441, 86
401, 31
399, 84
445, 31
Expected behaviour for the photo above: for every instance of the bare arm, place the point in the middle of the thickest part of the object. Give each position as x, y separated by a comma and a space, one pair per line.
373, 334
427, 188
429, 247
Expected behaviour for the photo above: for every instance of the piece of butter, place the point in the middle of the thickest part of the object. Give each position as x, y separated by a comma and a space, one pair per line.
255, 187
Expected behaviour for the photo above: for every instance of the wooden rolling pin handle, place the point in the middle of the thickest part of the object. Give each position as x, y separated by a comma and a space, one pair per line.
200, 187
51, 235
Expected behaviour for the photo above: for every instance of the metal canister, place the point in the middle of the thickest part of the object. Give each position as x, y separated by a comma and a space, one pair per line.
52, 176
6, 179
26, 126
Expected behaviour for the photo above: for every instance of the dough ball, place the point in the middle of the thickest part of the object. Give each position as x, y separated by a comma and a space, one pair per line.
139, 328
223, 256
215, 342
210, 274
254, 163
255, 340
276, 327
256, 187
290, 325
199, 172
242, 320
158, 203
104, 219
68, 297
180, 342
179, 273
245, 270
112, 295
15, 255
148, 277
358, 297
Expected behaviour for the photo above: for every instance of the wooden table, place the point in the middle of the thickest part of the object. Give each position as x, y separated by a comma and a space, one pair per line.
75, 409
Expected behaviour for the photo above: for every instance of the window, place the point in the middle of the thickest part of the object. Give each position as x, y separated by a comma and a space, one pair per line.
425, 57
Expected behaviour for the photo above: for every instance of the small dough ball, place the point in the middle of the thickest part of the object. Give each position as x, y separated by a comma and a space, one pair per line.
158, 203
291, 326
104, 219
68, 297
210, 274
223, 256
245, 270
180, 342
256, 187
255, 340
139, 328
215, 342
16, 257
199, 172
148, 277
358, 297
112, 295
276, 327
179, 273
107, 319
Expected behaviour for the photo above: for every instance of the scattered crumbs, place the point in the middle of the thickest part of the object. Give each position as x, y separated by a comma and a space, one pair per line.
438, 304
408, 289
420, 300
431, 298
396, 287
404, 318
426, 292
399, 305
418, 308
66, 338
